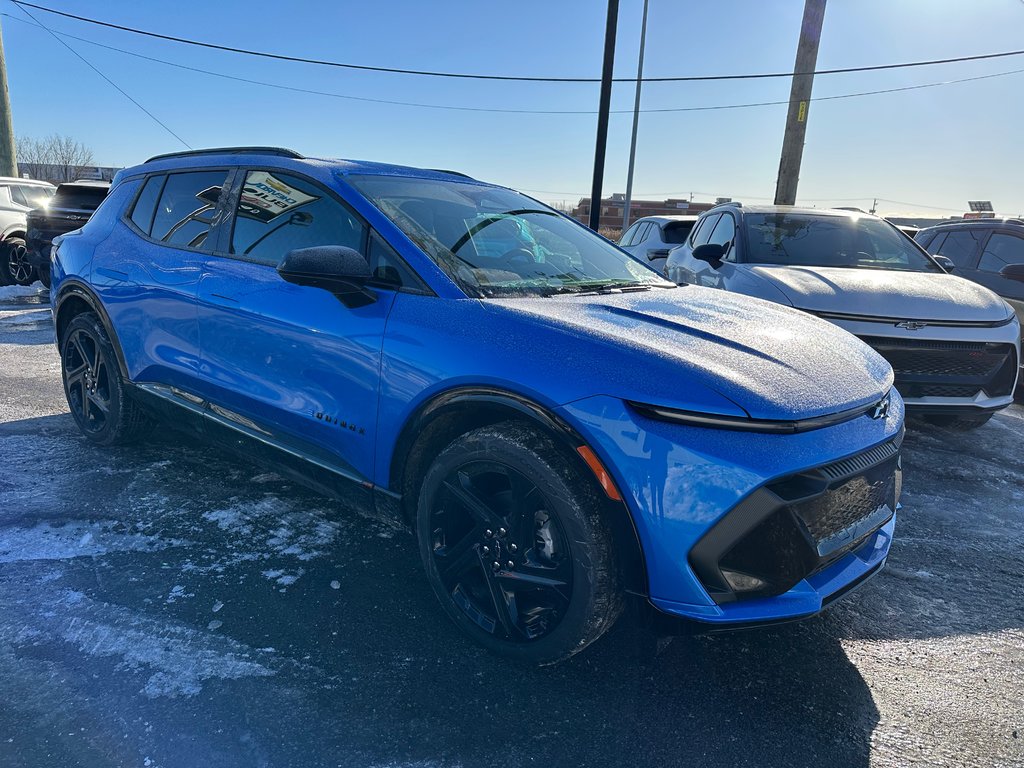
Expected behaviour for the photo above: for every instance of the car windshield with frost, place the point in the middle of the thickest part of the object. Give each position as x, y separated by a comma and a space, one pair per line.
494, 242
809, 240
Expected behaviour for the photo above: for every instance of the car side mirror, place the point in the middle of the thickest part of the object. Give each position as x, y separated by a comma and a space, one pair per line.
712, 253
944, 261
1013, 272
657, 253
335, 268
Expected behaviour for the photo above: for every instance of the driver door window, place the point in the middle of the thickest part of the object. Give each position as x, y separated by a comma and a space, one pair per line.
278, 212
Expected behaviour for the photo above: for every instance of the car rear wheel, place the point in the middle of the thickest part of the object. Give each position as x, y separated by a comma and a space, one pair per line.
958, 423
94, 388
15, 263
515, 546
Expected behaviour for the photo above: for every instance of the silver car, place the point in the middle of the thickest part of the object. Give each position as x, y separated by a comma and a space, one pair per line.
651, 237
17, 198
953, 344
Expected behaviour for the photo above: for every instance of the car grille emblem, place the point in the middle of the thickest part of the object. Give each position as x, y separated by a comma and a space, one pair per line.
911, 325
881, 409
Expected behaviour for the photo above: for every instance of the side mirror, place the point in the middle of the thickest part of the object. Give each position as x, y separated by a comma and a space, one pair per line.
657, 253
1013, 272
712, 253
335, 268
944, 261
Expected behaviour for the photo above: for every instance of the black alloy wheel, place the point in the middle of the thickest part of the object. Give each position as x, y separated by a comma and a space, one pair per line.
515, 545
95, 391
501, 555
19, 270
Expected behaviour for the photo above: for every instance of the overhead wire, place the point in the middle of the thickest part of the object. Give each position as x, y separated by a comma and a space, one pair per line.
507, 78
95, 69
501, 110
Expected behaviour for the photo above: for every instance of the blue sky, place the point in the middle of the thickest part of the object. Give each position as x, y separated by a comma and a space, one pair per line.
930, 149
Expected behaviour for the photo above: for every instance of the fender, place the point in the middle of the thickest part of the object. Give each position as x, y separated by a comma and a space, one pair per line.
490, 404
14, 229
73, 288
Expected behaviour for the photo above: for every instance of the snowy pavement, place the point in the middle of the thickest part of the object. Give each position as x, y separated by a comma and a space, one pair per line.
171, 605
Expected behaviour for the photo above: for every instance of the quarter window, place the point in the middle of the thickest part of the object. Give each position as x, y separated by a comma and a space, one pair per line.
1001, 251
278, 213
960, 247
145, 205
187, 205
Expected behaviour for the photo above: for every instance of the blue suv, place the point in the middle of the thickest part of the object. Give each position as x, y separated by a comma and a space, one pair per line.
564, 429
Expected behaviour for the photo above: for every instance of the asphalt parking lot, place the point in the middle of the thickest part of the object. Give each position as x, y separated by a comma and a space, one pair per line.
171, 605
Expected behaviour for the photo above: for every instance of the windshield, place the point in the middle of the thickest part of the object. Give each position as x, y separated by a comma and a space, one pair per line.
495, 242
808, 240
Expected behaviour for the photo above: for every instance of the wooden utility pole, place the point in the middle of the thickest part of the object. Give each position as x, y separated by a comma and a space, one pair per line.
603, 111
799, 102
8, 159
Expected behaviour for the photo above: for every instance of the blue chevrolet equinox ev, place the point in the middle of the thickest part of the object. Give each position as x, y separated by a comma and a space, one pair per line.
565, 430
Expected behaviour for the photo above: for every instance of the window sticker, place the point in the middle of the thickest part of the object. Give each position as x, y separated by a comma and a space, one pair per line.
265, 197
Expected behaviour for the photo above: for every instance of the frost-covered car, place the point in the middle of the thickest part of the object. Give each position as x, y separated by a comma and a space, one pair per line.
953, 344
563, 428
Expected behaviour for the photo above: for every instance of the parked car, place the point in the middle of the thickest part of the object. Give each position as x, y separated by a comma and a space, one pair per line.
561, 426
954, 345
17, 198
651, 237
986, 251
68, 209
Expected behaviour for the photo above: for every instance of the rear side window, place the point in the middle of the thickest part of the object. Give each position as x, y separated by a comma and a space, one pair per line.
145, 204
1001, 251
627, 239
278, 213
31, 197
187, 204
960, 247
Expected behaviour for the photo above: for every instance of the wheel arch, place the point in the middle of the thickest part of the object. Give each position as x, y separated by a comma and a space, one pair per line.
449, 414
74, 298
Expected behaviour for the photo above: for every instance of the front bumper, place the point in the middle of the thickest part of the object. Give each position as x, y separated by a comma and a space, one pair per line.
682, 484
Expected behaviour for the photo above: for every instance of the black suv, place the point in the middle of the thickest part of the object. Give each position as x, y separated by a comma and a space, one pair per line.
985, 251
69, 208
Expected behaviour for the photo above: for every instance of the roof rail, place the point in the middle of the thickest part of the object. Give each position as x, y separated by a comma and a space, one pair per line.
453, 173
280, 151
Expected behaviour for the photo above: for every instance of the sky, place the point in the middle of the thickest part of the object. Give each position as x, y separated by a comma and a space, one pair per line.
922, 152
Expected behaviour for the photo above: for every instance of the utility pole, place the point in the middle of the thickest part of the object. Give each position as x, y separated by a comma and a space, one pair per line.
8, 159
636, 121
799, 102
603, 110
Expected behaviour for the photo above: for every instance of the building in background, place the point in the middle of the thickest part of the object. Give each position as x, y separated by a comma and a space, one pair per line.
612, 209
58, 173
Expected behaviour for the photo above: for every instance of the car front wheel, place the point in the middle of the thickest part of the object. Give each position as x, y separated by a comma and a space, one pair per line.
515, 544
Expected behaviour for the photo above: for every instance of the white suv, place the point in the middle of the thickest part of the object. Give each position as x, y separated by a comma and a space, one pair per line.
17, 198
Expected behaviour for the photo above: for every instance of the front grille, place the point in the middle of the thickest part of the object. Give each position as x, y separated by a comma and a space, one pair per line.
797, 525
926, 368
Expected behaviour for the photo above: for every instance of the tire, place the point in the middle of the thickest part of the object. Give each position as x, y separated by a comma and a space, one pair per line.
44, 274
96, 394
532, 574
958, 423
14, 262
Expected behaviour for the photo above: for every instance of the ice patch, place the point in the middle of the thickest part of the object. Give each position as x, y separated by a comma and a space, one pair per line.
44, 541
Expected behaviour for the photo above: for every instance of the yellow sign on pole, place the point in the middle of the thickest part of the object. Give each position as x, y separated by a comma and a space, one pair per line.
801, 113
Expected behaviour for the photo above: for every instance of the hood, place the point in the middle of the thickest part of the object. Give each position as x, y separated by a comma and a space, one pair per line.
664, 346
884, 293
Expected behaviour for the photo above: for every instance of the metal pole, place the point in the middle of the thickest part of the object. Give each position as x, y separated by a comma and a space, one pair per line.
8, 159
636, 121
604, 108
799, 102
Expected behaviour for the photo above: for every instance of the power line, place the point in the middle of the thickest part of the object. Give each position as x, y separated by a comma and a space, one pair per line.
120, 90
499, 110
508, 78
